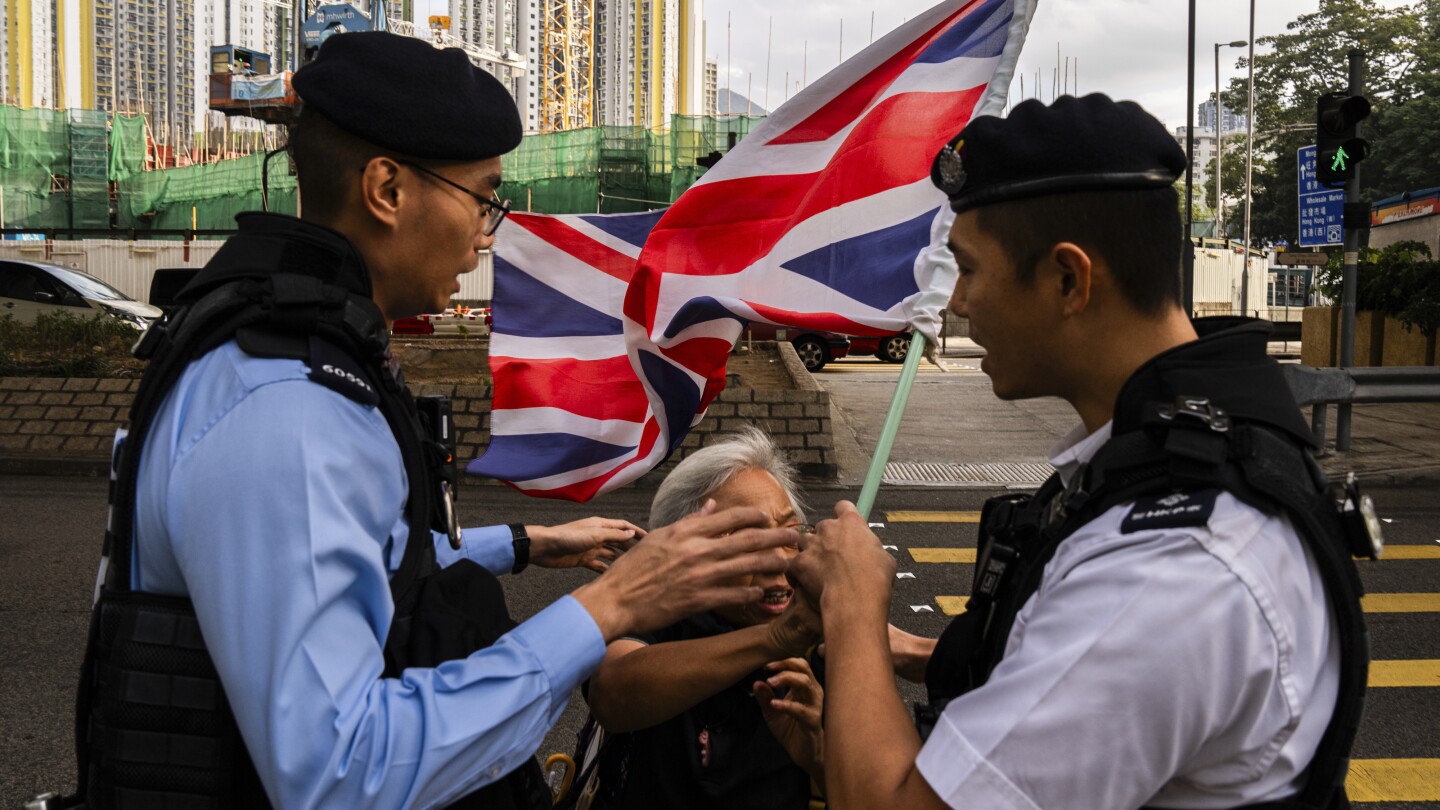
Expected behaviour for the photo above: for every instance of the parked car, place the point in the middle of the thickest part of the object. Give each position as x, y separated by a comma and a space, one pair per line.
462, 320
816, 348
30, 288
890, 348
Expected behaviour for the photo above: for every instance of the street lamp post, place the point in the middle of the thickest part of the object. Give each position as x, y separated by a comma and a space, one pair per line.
1249, 168
1187, 269
1220, 138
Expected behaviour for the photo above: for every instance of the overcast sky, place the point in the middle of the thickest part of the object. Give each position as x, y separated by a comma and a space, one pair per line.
1132, 49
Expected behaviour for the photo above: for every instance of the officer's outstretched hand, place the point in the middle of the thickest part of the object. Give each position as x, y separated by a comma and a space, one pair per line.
696, 564
844, 557
592, 543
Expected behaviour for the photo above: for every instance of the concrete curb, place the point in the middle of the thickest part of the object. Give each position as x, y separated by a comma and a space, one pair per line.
69, 467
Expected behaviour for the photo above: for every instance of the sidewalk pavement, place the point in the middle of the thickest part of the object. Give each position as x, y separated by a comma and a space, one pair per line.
956, 419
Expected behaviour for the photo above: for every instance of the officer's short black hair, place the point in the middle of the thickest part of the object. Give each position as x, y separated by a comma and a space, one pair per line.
1137, 232
327, 160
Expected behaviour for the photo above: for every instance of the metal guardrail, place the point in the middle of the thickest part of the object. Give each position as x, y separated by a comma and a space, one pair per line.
1318, 387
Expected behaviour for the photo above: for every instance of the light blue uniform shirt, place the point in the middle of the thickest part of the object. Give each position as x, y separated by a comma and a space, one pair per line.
277, 506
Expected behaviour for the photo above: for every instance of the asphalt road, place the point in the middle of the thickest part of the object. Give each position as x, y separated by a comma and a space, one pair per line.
51, 530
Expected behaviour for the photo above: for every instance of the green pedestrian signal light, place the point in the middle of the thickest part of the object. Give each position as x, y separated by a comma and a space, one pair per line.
1338, 164
1337, 141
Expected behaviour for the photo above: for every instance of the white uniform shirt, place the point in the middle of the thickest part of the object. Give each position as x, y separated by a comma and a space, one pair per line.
1189, 667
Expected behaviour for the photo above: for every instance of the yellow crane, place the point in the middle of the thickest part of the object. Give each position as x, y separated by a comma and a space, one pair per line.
567, 67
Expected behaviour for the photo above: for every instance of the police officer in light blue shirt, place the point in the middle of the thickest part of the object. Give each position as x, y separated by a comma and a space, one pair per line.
277, 504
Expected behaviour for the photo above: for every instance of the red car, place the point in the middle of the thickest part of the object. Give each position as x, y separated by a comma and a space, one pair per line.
816, 348
464, 321
890, 348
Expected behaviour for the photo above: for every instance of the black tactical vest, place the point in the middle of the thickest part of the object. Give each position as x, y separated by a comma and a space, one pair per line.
1215, 414
153, 726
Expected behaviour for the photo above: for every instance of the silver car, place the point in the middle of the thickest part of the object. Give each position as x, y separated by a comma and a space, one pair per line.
29, 288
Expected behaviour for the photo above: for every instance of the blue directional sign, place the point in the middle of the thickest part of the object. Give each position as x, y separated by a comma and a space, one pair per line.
1322, 210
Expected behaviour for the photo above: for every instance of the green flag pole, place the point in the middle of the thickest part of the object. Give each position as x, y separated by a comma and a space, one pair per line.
892, 425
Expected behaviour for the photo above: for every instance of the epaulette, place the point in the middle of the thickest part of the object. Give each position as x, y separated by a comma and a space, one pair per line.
329, 365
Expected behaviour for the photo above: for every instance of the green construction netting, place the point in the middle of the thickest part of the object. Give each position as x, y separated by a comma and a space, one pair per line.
127, 146
206, 196
615, 169
634, 170
557, 173
696, 136
607, 169
34, 146
89, 170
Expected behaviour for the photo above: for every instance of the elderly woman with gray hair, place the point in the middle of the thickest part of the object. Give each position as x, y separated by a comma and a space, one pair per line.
721, 709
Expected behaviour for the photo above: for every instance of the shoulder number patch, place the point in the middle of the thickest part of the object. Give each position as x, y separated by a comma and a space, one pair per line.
1172, 511
335, 370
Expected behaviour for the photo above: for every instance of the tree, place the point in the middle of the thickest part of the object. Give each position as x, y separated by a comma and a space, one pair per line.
1402, 80
1200, 211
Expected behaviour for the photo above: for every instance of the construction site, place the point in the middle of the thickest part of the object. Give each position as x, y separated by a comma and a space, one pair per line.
125, 169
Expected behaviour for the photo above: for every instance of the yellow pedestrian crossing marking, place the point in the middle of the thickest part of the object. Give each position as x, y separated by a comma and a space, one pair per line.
1411, 552
1369, 780
955, 606
1427, 603
951, 605
943, 555
1401, 602
918, 516
1394, 780
1404, 673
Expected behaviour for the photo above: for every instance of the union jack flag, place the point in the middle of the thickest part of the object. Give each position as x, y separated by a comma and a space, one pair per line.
823, 217
569, 414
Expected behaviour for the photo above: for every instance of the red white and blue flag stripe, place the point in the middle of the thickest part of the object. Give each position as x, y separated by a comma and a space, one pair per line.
823, 217
569, 414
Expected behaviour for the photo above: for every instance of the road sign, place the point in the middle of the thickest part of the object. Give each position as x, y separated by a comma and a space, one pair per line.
1322, 210
1301, 259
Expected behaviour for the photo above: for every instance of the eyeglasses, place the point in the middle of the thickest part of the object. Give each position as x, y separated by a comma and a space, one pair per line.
494, 209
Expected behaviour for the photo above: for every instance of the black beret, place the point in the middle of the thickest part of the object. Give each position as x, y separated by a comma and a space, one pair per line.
1075, 144
405, 94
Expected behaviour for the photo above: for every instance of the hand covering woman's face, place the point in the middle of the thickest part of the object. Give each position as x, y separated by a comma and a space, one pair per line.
759, 489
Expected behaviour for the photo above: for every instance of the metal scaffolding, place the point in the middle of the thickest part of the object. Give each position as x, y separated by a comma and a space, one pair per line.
567, 68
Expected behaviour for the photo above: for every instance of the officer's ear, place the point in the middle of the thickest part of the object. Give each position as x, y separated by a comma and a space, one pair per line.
381, 189
1073, 270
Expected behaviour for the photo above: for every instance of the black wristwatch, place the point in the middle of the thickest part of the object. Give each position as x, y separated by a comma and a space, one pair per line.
522, 547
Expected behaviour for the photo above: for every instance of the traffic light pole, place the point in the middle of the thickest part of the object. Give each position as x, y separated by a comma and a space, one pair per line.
1349, 271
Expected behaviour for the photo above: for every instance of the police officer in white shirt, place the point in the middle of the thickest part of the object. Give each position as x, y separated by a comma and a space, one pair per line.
1168, 622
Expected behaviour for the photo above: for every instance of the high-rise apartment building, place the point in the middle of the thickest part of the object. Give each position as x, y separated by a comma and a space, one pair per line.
1230, 121
711, 91
527, 86
130, 56
145, 63
649, 60
1202, 153
509, 28
4, 51
491, 24
30, 77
